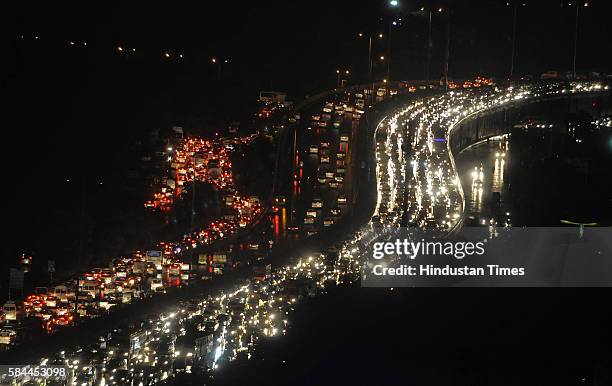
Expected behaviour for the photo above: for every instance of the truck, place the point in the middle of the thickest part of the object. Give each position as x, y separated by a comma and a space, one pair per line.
139, 267
155, 257
11, 311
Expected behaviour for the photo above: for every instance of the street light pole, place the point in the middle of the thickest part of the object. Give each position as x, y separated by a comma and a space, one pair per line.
370, 59
389, 51
341, 81
447, 55
370, 65
576, 37
394, 5
428, 47
193, 200
513, 40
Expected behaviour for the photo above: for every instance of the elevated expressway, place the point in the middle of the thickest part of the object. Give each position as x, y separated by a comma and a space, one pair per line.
417, 182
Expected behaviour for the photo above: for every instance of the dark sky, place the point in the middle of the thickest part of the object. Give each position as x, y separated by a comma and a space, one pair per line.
281, 43
71, 96
79, 109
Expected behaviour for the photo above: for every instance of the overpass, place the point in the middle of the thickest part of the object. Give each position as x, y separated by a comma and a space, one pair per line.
434, 129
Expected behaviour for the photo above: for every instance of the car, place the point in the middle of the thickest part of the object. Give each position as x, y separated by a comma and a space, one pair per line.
333, 184
63, 320
335, 211
51, 301
324, 159
317, 203
313, 149
311, 213
309, 220
342, 200
8, 336
280, 200
328, 222
156, 285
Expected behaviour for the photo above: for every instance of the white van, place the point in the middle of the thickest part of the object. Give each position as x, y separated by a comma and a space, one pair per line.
157, 285
60, 292
10, 310
91, 288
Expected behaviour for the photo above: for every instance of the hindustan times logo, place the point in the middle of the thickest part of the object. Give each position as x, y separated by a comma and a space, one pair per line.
411, 249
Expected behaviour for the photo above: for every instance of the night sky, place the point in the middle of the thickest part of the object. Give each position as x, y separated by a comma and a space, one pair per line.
78, 110
294, 46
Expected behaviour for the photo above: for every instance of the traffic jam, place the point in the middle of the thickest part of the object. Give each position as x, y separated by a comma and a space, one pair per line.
227, 326
143, 274
417, 181
198, 336
323, 182
202, 335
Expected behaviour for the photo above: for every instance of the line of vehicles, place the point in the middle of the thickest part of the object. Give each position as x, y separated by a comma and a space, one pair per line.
417, 182
200, 335
96, 292
197, 159
203, 334
328, 137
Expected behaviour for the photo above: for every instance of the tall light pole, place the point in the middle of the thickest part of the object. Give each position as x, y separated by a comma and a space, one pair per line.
369, 78
447, 54
514, 24
339, 73
429, 44
395, 6
513, 40
586, 4
219, 63
370, 58
428, 13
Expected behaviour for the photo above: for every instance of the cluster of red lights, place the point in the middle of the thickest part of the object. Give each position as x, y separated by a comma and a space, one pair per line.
203, 160
200, 160
478, 82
